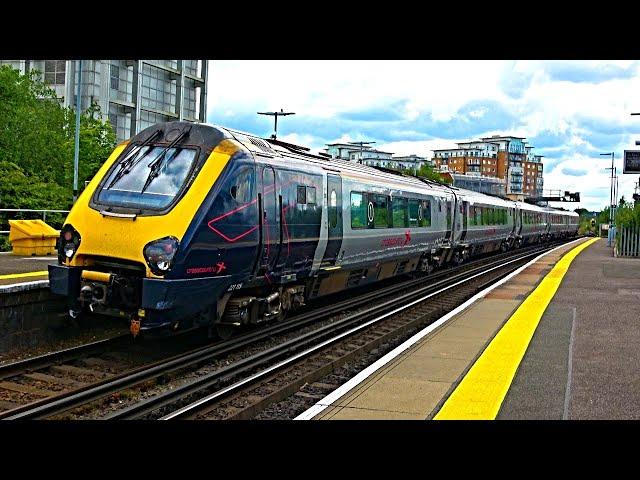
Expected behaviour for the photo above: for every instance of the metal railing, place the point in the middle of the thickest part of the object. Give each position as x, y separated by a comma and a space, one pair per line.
628, 242
28, 210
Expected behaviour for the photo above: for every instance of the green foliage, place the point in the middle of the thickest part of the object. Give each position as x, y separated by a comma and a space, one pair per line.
428, 172
628, 215
37, 145
603, 216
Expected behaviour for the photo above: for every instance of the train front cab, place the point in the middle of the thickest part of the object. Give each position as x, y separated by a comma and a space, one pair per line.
162, 230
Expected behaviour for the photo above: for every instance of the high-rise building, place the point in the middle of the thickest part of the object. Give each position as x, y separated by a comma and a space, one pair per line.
505, 157
133, 94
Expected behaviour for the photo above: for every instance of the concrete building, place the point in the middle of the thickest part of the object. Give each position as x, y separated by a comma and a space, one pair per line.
504, 157
372, 157
411, 162
133, 94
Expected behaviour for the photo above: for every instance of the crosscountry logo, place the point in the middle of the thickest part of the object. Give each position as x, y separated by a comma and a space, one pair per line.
370, 212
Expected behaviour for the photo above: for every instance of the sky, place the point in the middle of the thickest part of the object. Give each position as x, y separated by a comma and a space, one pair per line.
570, 111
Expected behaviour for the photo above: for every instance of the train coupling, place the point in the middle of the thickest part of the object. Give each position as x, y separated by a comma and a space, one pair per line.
134, 327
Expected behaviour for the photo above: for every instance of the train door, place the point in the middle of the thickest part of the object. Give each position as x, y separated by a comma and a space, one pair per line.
465, 219
448, 207
520, 227
334, 217
270, 227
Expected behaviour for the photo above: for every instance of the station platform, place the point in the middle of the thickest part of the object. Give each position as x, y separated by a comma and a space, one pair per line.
17, 269
557, 340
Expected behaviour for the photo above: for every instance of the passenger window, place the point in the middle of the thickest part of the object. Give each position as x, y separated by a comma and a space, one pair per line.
311, 195
333, 209
241, 187
414, 208
424, 214
380, 210
358, 211
302, 195
399, 212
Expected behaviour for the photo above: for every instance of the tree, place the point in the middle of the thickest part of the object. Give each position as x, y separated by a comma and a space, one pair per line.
37, 145
428, 172
37, 139
622, 201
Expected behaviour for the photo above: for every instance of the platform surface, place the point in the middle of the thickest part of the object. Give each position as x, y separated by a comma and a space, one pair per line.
584, 359
579, 363
16, 269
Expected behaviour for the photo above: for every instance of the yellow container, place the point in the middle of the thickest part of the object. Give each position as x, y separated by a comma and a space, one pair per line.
32, 237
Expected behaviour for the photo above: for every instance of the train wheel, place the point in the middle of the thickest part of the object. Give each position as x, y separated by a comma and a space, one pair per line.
225, 331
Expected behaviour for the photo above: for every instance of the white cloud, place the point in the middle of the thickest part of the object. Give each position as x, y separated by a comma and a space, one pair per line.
585, 102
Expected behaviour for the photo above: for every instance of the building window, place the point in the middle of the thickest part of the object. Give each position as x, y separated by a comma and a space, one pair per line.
54, 72
115, 77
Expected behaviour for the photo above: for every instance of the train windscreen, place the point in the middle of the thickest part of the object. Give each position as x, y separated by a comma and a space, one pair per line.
148, 178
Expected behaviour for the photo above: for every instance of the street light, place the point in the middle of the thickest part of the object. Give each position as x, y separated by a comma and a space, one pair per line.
611, 206
281, 113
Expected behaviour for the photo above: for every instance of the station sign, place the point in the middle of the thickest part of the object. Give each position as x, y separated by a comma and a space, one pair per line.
631, 161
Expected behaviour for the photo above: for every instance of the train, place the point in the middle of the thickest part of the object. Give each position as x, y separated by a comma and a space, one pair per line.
188, 225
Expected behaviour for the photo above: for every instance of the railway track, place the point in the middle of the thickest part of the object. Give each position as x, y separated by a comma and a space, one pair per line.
283, 370
39, 379
65, 399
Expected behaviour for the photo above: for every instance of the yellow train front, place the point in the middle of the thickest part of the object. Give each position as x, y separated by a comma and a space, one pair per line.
163, 229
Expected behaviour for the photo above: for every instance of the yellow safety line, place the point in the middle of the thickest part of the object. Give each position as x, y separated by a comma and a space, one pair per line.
21, 275
480, 393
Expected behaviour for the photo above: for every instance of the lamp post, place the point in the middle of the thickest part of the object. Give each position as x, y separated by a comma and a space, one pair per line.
611, 206
281, 113
76, 151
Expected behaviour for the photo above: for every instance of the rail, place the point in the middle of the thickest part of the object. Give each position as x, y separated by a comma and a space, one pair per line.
29, 210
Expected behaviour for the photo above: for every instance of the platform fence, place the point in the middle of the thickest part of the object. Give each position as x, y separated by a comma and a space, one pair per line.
628, 242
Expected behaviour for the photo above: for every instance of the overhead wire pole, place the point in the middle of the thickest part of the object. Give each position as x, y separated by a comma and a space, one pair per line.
281, 113
637, 143
361, 145
611, 199
76, 151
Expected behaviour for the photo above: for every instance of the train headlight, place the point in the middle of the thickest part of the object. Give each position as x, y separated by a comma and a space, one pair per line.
68, 243
159, 254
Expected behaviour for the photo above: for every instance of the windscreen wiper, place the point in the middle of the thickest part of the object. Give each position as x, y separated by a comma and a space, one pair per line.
127, 164
156, 165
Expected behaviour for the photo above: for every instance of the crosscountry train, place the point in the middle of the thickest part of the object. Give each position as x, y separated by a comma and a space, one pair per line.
193, 224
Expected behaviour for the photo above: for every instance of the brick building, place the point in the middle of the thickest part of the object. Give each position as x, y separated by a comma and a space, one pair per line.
504, 157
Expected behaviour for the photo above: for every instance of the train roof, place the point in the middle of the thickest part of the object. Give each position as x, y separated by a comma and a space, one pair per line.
272, 148
561, 211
